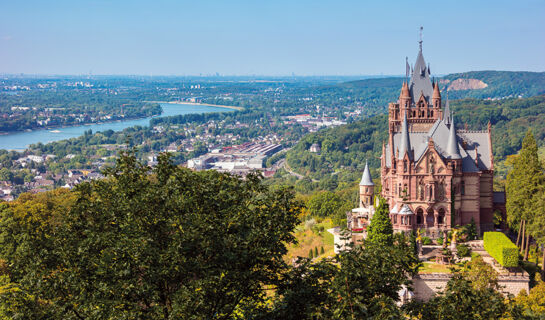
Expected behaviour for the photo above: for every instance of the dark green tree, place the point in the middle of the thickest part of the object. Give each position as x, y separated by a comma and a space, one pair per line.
380, 230
524, 183
173, 244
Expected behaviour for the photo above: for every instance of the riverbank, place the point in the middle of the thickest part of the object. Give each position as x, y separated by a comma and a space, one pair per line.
198, 104
52, 129
21, 140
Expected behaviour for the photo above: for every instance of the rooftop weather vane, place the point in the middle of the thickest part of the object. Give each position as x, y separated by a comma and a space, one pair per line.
420, 42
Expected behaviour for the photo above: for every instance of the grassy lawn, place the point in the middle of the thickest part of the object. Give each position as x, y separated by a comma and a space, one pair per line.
310, 238
432, 267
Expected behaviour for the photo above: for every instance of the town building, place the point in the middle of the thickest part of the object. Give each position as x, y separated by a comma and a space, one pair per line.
434, 176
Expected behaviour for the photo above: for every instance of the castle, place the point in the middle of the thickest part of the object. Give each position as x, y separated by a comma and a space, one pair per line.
433, 176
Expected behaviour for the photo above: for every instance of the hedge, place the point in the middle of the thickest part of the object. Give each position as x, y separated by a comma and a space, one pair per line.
501, 248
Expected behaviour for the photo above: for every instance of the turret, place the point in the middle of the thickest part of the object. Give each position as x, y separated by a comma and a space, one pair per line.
367, 188
405, 96
452, 147
436, 98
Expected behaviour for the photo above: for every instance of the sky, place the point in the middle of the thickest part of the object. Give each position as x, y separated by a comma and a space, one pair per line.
258, 37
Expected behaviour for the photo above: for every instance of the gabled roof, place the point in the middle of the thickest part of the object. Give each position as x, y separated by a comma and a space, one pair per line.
405, 210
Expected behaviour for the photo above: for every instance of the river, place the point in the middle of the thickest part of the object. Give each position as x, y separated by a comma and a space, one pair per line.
21, 140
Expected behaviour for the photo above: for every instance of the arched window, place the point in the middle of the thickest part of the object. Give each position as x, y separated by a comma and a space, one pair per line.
441, 216
419, 216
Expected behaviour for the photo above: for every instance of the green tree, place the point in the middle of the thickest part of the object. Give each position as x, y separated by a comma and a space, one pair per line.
315, 251
362, 283
524, 183
460, 300
324, 204
174, 244
380, 231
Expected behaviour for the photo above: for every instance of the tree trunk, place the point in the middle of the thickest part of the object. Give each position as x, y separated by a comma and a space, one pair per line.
543, 264
522, 239
518, 235
527, 247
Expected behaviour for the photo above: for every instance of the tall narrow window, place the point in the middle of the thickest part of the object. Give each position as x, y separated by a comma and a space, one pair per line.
404, 165
463, 188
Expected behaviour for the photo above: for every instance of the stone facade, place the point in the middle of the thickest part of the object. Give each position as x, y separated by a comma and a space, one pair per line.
433, 175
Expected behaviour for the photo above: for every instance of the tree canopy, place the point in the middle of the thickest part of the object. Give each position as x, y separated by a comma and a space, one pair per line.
174, 244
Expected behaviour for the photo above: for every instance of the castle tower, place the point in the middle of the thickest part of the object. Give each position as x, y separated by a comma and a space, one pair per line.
419, 100
367, 188
433, 176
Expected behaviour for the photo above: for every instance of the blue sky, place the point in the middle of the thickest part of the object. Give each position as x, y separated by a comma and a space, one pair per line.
278, 37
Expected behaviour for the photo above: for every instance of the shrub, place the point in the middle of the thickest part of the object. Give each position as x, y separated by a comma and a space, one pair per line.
463, 250
426, 241
322, 250
309, 224
439, 241
501, 248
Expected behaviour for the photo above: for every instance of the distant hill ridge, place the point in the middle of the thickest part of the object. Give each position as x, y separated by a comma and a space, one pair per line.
486, 84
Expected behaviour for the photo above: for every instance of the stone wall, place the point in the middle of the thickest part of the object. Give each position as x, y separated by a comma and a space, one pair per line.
425, 286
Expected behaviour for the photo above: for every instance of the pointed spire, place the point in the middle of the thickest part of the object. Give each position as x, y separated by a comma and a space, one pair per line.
436, 92
366, 177
405, 144
452, 147
447, 116
405, 91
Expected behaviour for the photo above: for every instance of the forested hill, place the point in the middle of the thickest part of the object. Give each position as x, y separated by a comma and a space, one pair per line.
378, 92
499, 84
347, 147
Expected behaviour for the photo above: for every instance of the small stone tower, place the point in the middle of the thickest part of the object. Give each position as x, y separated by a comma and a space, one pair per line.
367, 188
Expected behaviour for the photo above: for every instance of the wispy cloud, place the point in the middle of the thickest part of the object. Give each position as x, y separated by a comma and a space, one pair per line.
7, 38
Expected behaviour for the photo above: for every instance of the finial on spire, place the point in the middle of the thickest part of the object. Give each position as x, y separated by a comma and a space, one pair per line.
420, 42
407, 68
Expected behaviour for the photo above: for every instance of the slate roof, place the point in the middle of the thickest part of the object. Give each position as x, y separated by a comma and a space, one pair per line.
366, 177
420, 79
440, 132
